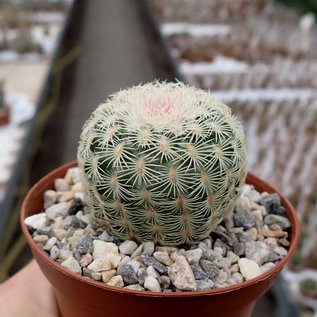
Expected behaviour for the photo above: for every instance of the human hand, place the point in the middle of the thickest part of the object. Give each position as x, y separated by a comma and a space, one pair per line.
28, 294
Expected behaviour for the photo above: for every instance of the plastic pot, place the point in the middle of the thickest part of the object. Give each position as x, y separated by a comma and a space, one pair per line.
81, 297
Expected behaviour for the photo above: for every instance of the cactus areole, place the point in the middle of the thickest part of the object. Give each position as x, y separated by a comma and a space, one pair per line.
162, 162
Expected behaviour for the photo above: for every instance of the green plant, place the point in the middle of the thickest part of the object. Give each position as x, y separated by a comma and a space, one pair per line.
162, 162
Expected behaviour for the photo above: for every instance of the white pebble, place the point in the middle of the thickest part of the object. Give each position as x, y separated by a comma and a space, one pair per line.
163, 257
152, 284
99, 265
193, 256
102, 248
50, 197
55, 210
61, 185
128, 247
152, 272
116, 281
72, 265
249, 268
36, 221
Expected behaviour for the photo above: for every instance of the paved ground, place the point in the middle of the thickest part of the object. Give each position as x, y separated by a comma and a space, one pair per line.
119, 49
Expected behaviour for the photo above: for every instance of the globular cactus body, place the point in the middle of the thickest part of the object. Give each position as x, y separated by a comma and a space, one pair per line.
162, 162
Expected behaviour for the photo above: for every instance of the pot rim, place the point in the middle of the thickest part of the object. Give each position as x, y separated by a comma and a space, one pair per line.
291, 214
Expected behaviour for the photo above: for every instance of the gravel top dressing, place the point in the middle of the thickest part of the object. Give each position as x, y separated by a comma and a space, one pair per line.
247, 243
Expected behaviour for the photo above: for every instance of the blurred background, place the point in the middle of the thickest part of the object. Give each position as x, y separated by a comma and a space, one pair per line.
60, 58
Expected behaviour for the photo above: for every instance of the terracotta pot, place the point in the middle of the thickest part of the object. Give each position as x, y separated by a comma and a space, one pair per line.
81, 297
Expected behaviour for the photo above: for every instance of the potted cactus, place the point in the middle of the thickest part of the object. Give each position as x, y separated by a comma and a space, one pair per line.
153, 216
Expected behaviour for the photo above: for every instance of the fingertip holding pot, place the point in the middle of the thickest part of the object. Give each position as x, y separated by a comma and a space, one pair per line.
81, 297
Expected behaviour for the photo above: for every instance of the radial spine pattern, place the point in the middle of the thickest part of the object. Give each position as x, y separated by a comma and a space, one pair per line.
162, 162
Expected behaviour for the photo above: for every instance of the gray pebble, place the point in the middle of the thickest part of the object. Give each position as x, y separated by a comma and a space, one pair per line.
272, 204
54, 253
148, 248
128, 274
276, 219
83, 244
205, 284
198, 272
150, 261
209, 268
244, 219
257, 251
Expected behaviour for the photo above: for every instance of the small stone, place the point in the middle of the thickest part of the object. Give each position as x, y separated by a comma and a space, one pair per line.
220, 278
198, 272
234, 268
150, 261
209, 268
114, 259
272, 204
99, 265
271, 243
86, 260
106, 276
128, 247
92, 275
135, 264
281, 251
71, 221
128, 274
239, 248
142, 274
251, 193
50, 197
102, 248
233, 258
116, 281
54, 253
193, 256
258, 215
177, 253
152, 284
86, 219
169, 250
222, 262
267, 266
78, 188
137, 252
253, 232
273, 257
257, 251
163, 258
283, 222
55, 210
41, 238
274, 233
61, 184
222, 245
64, 254
244, 219
152, 272
65, 196
237, 277
148, 248
205, 284
72, 236
284, 242
164, 281
60, 234
84, 244
124, 261
75, 206
242, 204
135, 287
72, 265
50, 243
36, 221
181, 274
249, 268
